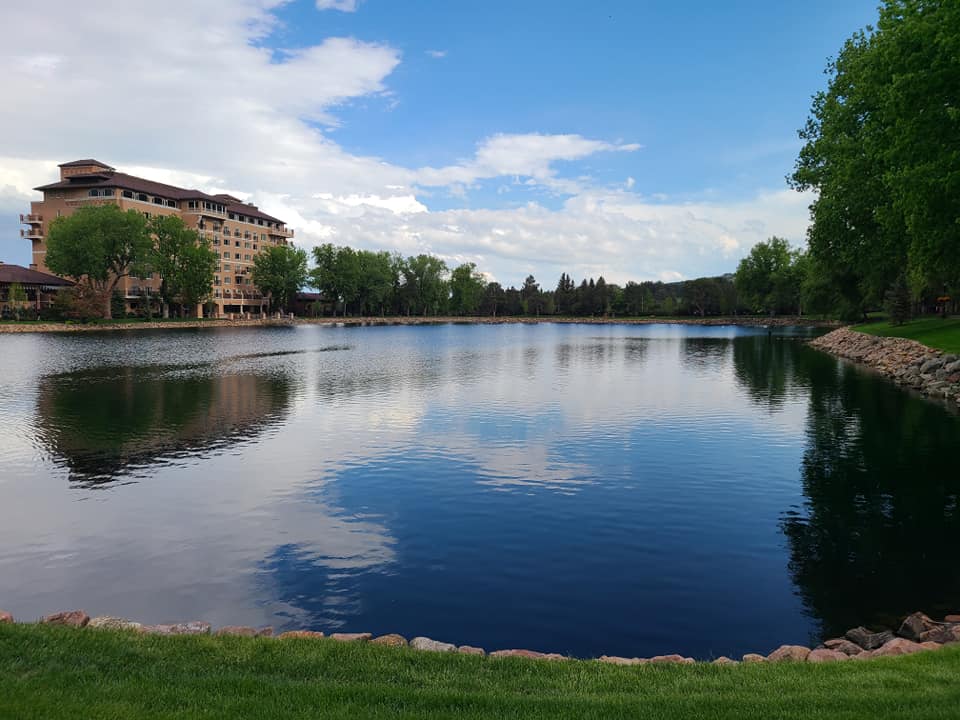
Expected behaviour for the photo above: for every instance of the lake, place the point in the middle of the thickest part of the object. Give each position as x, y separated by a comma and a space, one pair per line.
582, 489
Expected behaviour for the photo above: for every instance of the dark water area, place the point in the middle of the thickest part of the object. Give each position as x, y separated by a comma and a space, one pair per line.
629, 490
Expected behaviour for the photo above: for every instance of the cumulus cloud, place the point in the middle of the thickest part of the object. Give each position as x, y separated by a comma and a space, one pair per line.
341, 5
214, 104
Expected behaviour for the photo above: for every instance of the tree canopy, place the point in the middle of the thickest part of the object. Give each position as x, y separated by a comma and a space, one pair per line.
98, 245
882, 151
280, 271
185, 262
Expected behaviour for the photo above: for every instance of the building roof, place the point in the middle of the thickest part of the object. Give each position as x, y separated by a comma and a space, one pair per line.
114, 179
82, 163
26, 276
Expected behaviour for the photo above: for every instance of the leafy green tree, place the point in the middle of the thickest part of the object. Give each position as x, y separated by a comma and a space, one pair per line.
98, 245
882, 151
494, 299
16, 298
767, 278
425, 282
194, 278
185, 262
280, 271
466, 289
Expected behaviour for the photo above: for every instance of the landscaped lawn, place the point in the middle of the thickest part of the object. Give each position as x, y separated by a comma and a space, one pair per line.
51, 673
943, 334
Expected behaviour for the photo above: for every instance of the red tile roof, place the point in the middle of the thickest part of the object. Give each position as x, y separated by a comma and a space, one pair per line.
171, 192
81, 163
26, 276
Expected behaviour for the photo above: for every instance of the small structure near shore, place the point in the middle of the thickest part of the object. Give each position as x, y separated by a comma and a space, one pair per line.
39, 288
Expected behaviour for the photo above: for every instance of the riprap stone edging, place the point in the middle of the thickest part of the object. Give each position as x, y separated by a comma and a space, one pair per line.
906, 362
917, 633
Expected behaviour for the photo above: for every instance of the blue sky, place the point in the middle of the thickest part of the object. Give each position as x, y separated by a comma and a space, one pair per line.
639, 140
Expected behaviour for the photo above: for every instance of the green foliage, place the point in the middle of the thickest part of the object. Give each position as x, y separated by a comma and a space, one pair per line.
466, 289
80, 302
185, 262
769, 277
16, 298
118, 305
898, 300
99, 244
882, 150
280, 271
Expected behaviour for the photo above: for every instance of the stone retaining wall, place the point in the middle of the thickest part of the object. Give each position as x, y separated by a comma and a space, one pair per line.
917, 633
906, 362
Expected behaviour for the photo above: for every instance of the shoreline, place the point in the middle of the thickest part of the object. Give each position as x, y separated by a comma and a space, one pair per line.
908, 363
751, 321
916, 633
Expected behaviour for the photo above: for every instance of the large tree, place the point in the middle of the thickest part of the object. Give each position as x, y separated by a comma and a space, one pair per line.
98, 245
466, 289
768, 278
882, 151
280, 271
184, 261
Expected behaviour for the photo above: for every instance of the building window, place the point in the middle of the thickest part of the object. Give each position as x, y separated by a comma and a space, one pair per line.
93, 193
246, 245
192, 204
254, 246
227, 266
142, 197
128, 194
226, 230
171, 203
226, 255
157, 201
247, 258
107, 192
263, 237
237, 243
232, 216
236, 256
216, 279
236, 233
226, 280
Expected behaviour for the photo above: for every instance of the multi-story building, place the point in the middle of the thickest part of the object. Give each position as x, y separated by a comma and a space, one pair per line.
236, 230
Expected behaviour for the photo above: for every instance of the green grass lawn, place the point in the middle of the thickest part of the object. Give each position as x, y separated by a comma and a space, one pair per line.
934, 332
50, 672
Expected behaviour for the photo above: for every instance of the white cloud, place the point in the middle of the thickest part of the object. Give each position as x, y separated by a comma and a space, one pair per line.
209, 104
341, 5
528, 155
437, 53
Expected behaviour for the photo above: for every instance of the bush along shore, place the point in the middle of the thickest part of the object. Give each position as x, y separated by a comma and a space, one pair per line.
745, 321
917, 633
934, 373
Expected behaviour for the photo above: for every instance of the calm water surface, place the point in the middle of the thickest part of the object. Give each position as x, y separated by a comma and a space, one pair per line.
571, 488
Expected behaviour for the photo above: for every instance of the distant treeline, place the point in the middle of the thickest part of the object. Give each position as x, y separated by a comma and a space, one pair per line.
364, 282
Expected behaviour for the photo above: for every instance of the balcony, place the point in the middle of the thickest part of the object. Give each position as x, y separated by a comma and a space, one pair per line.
30, 219
34, 233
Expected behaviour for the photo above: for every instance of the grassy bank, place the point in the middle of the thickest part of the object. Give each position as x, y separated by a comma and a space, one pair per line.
49, 672
933, 332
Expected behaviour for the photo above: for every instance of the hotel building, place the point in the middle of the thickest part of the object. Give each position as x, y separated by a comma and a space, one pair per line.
236, 230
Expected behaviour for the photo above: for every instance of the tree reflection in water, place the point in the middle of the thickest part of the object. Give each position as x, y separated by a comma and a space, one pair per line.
876, 537
105, 423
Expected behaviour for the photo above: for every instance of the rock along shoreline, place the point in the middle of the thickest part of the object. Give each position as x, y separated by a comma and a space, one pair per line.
55, 327
917, 633
906, 362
